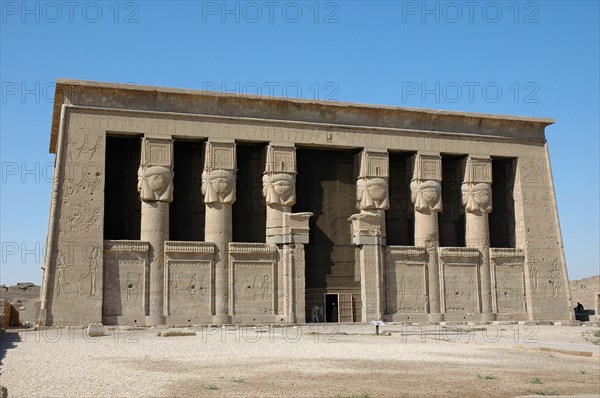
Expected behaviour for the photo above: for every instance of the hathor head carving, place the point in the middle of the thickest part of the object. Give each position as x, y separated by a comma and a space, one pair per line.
279, 189
372, 194
426, 196
477, 199
218, 186
155, 184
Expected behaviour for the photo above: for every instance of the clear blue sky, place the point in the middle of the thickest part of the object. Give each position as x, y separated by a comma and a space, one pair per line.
536, 58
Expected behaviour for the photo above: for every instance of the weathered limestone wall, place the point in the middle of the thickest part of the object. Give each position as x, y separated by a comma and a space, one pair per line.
89, 280
73, 268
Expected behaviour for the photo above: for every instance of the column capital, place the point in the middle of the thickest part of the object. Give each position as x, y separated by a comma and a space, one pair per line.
477, 185
155, 174
218, 177
372, 191
425, 187
426, 166
477, 169
279, 178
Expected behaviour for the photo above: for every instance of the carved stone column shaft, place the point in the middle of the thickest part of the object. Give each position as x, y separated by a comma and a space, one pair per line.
426, 196
155, 185
155, 231
218, 188
219, 231
477, 200
368, 229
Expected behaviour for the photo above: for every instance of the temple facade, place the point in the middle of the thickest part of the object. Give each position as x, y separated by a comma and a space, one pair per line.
174, 206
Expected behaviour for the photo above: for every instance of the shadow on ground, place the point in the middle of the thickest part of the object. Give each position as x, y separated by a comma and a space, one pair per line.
8, 340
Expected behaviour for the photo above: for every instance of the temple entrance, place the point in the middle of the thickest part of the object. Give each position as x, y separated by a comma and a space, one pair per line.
326, 186
332, 308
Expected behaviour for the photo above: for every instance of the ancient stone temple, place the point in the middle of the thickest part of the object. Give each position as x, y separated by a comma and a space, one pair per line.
177, 206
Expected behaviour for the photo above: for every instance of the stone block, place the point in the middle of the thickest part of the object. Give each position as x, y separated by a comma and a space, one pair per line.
95, 330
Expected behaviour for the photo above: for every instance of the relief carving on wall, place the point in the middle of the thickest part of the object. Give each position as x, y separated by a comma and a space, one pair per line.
124, 277
509, 279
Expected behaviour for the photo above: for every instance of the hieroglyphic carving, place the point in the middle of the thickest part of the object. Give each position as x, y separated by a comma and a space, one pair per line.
253, 286
189, 281
555, 282
78, 217
509, 280
190, 275
460, 281
411, 287
461, 287
125, 267
81, 151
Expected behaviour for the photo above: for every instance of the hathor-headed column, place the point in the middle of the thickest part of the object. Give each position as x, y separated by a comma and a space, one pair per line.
155, 185
368, 229
218, 188
477, 200
279, 187
426, 196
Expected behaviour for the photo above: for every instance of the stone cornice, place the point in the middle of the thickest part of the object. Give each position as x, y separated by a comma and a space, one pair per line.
126, 245
172, 246
170, 100
465, 253
406, 251
507, 253
251, 248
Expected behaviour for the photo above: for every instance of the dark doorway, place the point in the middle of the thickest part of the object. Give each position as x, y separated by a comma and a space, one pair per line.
332, 313
186, 212
122, 205
326, 187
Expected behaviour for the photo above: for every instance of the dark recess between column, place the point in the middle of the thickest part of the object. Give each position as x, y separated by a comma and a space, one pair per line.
249, 211
186, 211
502, 217
452, 218
400, 218
122, 206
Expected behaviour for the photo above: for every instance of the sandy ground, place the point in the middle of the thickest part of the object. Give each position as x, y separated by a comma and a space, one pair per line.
323, 361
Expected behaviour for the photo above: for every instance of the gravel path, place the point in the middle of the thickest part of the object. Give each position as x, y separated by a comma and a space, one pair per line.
292, 362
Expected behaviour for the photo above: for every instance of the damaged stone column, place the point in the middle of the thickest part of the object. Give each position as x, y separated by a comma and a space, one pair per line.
368, 229
477, 200
279, 187
284, 228
155, 185
218, 188
426, 196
